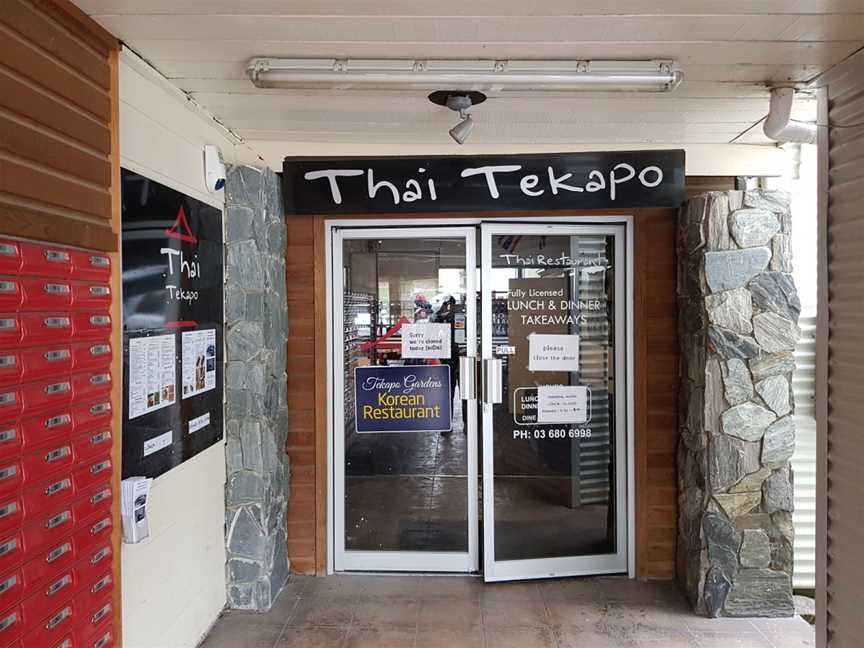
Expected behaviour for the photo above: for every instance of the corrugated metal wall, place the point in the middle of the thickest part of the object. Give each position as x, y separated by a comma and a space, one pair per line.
804, 459
842, 410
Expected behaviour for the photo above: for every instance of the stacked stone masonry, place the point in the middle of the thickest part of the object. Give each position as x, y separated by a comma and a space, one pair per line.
256, 389
738, 328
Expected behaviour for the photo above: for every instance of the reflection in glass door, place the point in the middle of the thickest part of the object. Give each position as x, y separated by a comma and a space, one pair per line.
554, 400
405, 425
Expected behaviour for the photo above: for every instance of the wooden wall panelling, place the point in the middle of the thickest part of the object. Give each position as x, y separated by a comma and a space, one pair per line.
302, 397
640, 398
321, 484
660, 437
695, 185
56, 102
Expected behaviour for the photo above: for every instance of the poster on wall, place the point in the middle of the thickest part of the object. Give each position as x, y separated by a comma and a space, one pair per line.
199, 362
152, 377
412, 398
172, 326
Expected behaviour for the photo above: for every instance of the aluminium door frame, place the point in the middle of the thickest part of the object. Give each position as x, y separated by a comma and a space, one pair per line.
330, 227
560, 566
404, 561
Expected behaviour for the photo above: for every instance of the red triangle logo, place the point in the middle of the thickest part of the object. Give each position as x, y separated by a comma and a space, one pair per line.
180, 229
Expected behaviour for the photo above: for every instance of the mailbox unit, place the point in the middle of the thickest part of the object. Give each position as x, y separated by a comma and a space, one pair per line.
56, 577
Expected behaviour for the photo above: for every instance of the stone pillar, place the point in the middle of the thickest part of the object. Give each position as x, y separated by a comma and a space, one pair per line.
256, 398
738, 314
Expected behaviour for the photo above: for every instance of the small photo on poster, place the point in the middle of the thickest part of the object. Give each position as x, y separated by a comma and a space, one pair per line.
199, 362
152, 381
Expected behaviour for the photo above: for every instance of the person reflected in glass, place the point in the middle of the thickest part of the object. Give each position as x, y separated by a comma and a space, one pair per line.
446, 314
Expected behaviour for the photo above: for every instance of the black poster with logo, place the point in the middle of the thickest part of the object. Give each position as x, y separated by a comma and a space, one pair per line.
472, 183
172, 326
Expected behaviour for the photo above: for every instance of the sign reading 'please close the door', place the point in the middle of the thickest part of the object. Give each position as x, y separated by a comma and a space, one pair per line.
483, 183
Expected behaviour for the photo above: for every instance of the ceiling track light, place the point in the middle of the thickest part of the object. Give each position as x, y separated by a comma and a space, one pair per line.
459, 101
481, 74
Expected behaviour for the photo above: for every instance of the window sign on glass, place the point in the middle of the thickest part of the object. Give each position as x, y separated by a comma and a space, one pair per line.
563, 404
547, 305
413, 398
549, 352
426, 340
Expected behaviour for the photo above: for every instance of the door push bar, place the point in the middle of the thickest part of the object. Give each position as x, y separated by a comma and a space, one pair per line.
492, 380
468, 377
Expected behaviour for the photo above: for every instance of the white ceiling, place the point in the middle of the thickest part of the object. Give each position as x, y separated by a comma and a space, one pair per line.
729, 51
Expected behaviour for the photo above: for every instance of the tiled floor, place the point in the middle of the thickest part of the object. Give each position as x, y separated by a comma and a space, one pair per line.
452, 612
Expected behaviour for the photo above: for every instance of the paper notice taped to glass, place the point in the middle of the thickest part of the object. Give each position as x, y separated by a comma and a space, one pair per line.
563, 404
427, 340
552, 352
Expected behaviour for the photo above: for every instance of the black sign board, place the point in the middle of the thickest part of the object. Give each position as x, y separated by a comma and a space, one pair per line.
555, 181
172, 326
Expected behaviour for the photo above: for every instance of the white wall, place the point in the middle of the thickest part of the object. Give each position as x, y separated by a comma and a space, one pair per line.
174, 582
700, 159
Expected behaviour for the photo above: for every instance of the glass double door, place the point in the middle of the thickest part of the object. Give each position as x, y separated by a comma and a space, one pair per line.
479, 399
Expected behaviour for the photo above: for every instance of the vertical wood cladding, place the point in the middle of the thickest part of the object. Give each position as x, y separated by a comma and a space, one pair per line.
656, 383
55, 125
304, 343
655, 320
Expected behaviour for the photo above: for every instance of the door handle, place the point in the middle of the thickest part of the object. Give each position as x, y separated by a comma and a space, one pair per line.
468, 377
492, 380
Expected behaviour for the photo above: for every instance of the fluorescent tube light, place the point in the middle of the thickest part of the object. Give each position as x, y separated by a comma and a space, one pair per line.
488, 75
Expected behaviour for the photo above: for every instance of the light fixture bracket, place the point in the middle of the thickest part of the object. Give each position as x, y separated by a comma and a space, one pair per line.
447, 97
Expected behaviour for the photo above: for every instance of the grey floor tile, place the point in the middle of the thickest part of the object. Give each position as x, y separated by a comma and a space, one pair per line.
387, 613
570, 589
523, 592
635, 591
444, 613
699, 623
681, 641
451, 587
323, 611
520, 638
247, 630
514, 612
456, 612
579, 613
575, 638
449, 638
380, 638
310, 638
741, 639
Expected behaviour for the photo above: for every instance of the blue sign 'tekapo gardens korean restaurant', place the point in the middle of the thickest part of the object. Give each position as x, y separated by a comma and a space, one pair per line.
412, 398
